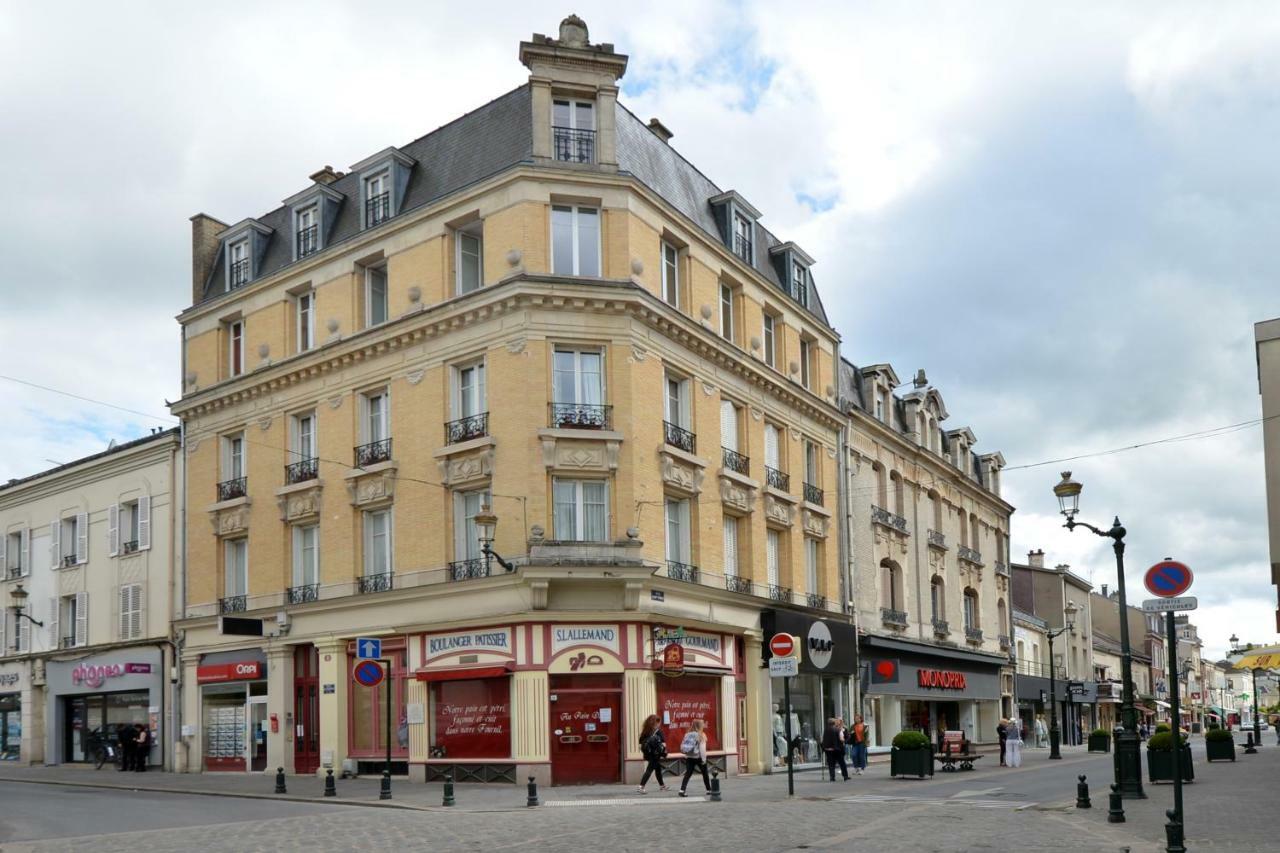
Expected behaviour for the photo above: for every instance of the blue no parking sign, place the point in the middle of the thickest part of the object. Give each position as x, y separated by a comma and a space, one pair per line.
1168, 578
368, 673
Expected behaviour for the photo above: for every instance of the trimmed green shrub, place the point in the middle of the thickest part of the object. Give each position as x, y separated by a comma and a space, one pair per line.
1217, 735
1163, 741
1099, 733
910, 740
1162, 727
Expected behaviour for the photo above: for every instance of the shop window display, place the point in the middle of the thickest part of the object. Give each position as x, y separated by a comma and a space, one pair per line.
471, 718
685, 699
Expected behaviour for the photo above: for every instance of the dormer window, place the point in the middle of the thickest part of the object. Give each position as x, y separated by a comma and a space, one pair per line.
243, 246
377, 200
573, 131
470, 259
800, 283
308, 236
743, 231
384, 177
240, 270
314, 211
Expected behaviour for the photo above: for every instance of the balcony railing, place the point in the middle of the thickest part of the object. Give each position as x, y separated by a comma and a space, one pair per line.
229, 490
679, 437
686, 572
373, 453
777, 479
233, 604
377, 209
969, 555
742, 247
13, 572
305, 593
889, 616
780, 593
880, 515
973, 635
1002, 568
736, 462
1004, 641
816, 601
941, 628
573, 145
581, 416
67, 643
812, 494
68, 561
130, 547
301, 471
380, 582
733, 583
465, 429
461, 570
240, 271
937, 540
1039, 670
308, 240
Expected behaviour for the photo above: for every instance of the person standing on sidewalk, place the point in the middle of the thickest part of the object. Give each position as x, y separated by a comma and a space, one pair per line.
142, 749
1002, 731
694, 748
857, 737
653, 746
833, 746
1013, 743
125, 736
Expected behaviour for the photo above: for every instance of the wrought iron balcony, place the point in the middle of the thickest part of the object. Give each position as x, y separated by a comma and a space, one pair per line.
973, 635
1004, 642
67, 642
818, 602
373, 453
301, 471
937, 540
1040, 670
475, 567
380, 582
130, 547
812, 494
679, 437
68, 561
1002, 568
969, 555
573, 145
377, 209
233, 604
308, 240
678, 571
941, 628
780, 593
736, 462
240, 273
889, 616
465, 429
229, 490
305, 593
879, 515
733, 583
581, 416
13, 572
742, 247
777, 479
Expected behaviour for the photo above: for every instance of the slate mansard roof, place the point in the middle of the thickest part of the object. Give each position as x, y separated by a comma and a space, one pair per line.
499, 136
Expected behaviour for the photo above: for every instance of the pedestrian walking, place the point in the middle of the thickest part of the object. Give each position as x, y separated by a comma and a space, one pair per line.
1002, 731
694, 748
857, 738
1275, 723
1042, 733
1013, 742
653, 746
142, 749
833, 746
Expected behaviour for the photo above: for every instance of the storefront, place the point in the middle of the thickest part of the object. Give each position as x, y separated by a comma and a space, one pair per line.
100, 694
828, 658
12, 683
917, 687
367, 712
233, 710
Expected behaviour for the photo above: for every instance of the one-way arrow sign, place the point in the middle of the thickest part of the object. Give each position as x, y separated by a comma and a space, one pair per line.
368, 648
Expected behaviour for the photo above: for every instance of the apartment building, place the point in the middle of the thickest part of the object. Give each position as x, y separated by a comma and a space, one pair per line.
1266, 336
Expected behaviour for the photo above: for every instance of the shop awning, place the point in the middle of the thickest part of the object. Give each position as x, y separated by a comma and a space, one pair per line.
1160, 704
1145, 710
461, 673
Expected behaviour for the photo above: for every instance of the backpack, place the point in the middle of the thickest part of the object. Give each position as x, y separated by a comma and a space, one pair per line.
655, 747
691, 745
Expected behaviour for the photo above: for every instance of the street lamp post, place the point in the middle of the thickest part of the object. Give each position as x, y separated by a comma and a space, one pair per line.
486, 523
1054, 737
20, 596
1128, 760
1257, 728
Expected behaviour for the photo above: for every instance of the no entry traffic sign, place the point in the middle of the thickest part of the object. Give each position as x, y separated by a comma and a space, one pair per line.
782, 645
1168, 578
368, 673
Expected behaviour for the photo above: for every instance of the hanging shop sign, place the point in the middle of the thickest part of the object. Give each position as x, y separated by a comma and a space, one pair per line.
673, 659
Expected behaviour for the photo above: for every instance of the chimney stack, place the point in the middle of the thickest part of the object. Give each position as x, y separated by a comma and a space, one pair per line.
1063, 567
660, 130
1036, 558
204, 252
326, 176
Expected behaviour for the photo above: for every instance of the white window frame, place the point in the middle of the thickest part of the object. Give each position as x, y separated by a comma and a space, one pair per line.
800, 283
747, 233
573, 104
812, 464
369, 273
679, 536
303, 436
472, 400
466, 539
769, 338
17, 552
971, 615
378, 401
579, 386
806, 368
237, 252
233, 456
469, 232
677, 400
773, 557
368, 536
575, 227
773, 460
376, 185
728, 304
937, 598
670, 274
235, 348
579, 508
730, 554
812, 563
305, 218
730, 435
235, 567
131, 601
305, 312
301, 569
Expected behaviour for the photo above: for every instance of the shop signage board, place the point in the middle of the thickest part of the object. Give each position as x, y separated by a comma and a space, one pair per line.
673, 659
368, 648
367, 673
1170, 605
487, 640
243, 671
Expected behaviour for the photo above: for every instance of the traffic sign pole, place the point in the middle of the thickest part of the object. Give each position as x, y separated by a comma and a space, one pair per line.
1173, 830
386, 776
786, 721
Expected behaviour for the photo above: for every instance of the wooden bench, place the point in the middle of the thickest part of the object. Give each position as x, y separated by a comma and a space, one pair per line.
955, 750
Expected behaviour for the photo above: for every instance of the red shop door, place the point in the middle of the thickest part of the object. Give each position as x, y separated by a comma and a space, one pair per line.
306, 710
586, 736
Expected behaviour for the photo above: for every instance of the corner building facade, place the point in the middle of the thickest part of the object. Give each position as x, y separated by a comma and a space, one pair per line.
539, 308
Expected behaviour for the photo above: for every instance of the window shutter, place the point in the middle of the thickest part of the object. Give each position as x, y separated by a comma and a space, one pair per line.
55, 547
771, 540
113, 530
82, 619
728, 426
144, 522
4, 636
52, 622
138, 621
730, 547
771, 446
125, 596
25, 553
82, 537
4, 541
24, 635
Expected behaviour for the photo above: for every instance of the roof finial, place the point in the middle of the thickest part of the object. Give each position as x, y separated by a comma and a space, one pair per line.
573, 32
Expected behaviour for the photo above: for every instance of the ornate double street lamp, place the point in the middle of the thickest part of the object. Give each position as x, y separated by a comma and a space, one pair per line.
1128, 761
1054, 737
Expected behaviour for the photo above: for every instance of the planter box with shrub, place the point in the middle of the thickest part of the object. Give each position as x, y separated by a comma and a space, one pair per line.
1099, 740
1220, 745
911, 755
1160, 758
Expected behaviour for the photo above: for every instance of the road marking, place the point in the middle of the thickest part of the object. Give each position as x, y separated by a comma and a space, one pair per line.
976, 793
629, 801
936, 801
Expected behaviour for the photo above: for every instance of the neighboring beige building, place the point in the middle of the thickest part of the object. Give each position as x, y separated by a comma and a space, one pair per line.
89, 587
930, 565
1266, 337
1194, 694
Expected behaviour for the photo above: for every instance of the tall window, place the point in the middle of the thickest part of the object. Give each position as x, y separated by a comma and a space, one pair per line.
773, 447
677, 401
671, 274
773, 556
17, 557
678, 545
377, 199
304, 437
132, 617
726, 312
306, 555
377, 542
812, 562
72, 537
233, 457
937, 598
235, 347
891, 585
305, 306
730, 546
578, 376
470, 260
240, 265
971, 610
812, 468
729, 421
73, 616
236, 567
581, 510
377, 420
573, 130
806, 366
308, 242
770, 340
742, 237
375, 295
800, 283
470, 395
466, 539
575, 240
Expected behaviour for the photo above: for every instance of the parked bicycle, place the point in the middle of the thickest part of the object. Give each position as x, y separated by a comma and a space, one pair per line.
104, 746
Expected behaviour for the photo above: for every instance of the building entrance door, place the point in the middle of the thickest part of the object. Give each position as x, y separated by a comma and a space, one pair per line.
306, 710
586, 729
256, 737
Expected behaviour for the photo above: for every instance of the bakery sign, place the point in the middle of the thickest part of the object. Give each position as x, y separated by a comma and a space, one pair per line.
571, 636
941, 679
488, 640
698, 647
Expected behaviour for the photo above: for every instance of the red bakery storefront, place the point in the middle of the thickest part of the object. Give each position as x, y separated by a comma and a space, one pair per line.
563, 702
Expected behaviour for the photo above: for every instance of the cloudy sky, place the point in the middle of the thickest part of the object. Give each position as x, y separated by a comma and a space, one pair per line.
1066, 213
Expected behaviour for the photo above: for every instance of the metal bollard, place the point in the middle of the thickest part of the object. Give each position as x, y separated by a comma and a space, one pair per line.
1116, 813
532, 800
715, 786
385, 793
330, 789
1173, 833
448, 790
1082, 794
280, 787
1249, 748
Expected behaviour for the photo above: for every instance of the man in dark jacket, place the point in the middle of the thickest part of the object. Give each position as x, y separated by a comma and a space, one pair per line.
124, 743
833, 746
1003, 732
142, 749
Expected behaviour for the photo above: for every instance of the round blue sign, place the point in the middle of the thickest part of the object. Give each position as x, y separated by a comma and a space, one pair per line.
1168, 578
368, 673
